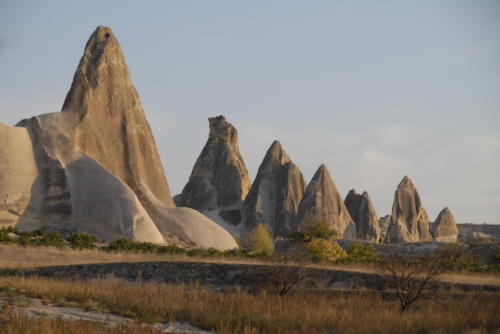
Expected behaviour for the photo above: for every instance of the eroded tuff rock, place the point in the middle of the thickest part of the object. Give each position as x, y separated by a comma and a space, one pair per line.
445, 227
384, 222
18, 173
365, 217
409, 220
112, 126
93, 167
322, 202
275, 194
219, 180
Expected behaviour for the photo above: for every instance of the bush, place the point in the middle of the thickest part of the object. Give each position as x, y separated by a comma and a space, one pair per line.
171, 249
358, 252
319, 230
82, 241
53, 239
324, 250
4, 234
123, 244
495, 255
41, 238
261, 241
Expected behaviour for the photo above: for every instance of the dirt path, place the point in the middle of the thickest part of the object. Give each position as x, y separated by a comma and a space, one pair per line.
33, 308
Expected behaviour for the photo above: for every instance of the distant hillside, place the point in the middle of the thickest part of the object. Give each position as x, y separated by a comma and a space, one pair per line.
491, 229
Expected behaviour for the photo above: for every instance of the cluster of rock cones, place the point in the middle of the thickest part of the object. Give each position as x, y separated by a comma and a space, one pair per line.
94, 167
220, 188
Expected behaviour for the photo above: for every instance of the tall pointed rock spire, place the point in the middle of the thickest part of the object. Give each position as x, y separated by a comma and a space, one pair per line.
409, 220
322, 202
112, 127
365, 217
219, 179
275, 194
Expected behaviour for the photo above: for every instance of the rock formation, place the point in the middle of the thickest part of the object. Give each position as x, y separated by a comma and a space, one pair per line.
219, 180
93, 167
384, 222
18, 172
322, 202
445, 227
109, 111
275, 194
409, 220
363, 213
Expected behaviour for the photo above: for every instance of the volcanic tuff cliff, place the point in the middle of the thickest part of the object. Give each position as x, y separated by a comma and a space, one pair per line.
322, 202
94, 167
365, 217
219, 180
275, 194
445, 227
409, 220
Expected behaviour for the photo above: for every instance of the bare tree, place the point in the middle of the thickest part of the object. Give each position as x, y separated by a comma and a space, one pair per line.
410, 277
280, 278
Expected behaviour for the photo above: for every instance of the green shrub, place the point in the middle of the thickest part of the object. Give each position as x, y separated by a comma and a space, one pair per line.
360, 253
324, 250
41, 238
123, 244
4, 234
82, 241
319, 230
261, 241
495, 254
53, 239
171, 249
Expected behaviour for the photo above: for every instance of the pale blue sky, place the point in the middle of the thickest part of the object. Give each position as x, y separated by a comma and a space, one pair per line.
373, 89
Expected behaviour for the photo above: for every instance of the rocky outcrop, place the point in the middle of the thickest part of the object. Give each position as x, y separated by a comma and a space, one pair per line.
93, 167
112, 127
188, 226
445, 227
275, 194
18, 173
384, 223
409, 220
322, 202
363, 213
219, 180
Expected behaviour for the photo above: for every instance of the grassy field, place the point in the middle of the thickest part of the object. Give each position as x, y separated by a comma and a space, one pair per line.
14, 256
237, 311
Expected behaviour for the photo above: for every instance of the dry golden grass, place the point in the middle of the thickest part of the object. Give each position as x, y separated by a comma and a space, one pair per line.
237, 311
16, 324
14, 256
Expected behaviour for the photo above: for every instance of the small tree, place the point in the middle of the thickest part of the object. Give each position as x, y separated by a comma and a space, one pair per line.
281, 279
410, 277
261, 241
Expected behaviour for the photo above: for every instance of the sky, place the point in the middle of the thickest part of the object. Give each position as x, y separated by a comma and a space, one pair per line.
375, 90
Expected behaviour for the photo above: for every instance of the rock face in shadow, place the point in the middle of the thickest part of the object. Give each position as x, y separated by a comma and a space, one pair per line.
365, 217
409, 220
219, 180
322, 202
384, 222
275, 194
94, 167
445, 227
